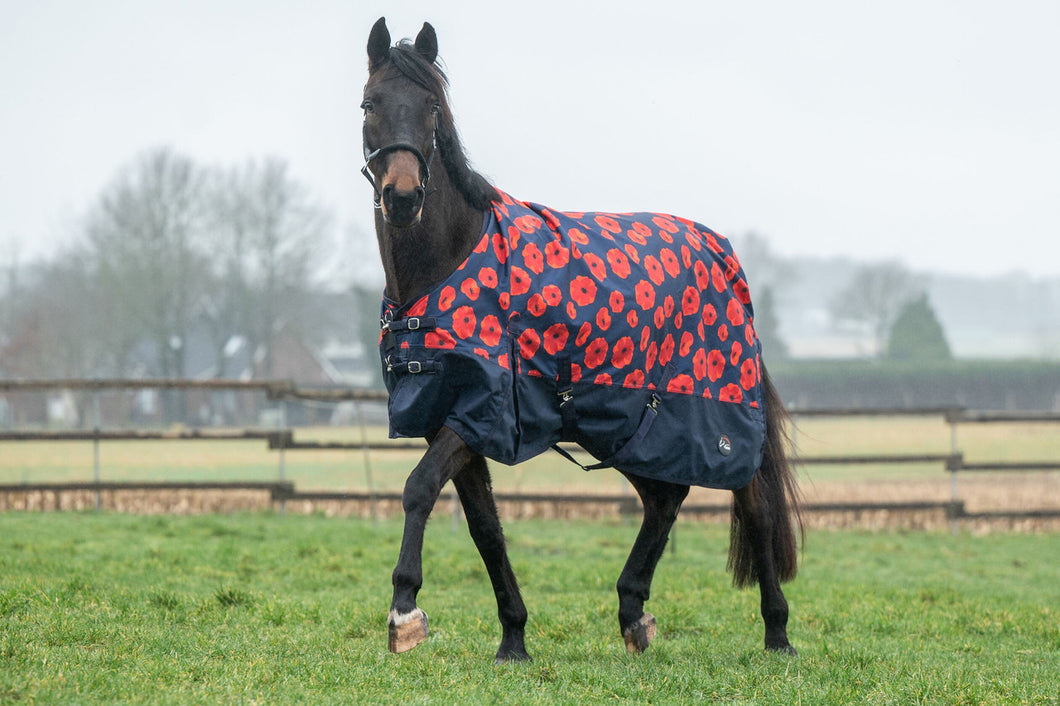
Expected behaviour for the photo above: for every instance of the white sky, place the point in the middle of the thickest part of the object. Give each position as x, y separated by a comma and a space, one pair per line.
914, 129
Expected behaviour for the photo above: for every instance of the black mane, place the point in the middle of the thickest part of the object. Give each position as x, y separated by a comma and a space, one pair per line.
472, 186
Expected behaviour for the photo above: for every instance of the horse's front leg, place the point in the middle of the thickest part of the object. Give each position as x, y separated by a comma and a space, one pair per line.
662, 501
446, 455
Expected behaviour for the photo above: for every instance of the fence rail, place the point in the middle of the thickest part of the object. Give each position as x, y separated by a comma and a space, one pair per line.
283, 440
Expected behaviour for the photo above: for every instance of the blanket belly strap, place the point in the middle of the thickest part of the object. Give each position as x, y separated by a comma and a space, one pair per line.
628, 449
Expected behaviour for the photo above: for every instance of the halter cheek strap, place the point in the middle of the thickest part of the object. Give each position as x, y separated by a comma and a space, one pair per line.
370, 154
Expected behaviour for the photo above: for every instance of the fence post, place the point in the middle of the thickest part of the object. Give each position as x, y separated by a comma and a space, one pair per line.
952, 418
283, 451
96, 476
363, 423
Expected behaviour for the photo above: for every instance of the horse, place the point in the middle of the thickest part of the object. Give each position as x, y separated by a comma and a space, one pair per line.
473, 365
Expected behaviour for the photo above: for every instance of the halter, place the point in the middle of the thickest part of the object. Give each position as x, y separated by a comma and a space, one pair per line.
370, 154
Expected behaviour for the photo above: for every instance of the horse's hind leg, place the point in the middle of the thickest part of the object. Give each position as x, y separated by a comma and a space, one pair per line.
476, 496
446, 455
754, 526
661, 501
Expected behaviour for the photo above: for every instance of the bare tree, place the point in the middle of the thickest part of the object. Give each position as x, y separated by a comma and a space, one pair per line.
874, 296
145, 239
267, 237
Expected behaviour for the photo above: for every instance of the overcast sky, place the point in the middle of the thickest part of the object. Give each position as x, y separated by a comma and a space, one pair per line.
919, 130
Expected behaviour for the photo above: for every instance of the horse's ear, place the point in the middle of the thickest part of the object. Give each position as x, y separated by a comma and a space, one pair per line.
427, 43
378, 44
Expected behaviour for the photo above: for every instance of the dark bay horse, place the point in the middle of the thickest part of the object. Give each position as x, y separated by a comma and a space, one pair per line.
474, 364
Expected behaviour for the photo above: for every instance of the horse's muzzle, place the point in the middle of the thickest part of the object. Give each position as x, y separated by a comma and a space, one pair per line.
402, 209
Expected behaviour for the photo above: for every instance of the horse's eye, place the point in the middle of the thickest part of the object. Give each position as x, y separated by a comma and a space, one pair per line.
368, 106
435, 109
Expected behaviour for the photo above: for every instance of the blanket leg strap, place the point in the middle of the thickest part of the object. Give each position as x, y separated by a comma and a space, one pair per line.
651, 411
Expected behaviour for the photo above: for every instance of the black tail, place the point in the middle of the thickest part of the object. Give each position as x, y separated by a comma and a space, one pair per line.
774, 493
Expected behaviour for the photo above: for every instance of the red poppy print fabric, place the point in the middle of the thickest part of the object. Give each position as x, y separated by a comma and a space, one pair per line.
641, 302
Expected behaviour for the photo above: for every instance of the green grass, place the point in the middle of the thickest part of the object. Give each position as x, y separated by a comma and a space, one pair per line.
273, 609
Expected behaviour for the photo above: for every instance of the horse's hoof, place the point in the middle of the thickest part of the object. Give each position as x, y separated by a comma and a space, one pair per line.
406, 630
640, 634
512, 658
783, 650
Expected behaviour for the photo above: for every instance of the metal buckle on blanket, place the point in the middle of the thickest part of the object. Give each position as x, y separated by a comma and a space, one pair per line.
565, 395
415, 367
653, 403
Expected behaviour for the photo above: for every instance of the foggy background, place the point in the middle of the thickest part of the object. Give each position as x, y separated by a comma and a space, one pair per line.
180, 191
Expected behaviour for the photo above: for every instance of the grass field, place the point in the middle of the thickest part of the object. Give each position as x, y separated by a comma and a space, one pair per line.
101, 608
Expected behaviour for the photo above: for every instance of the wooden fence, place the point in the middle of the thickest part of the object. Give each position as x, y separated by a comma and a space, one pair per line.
282, 439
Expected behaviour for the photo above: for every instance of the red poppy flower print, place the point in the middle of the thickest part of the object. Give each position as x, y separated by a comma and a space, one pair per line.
631, 250
583, 290
596, 265
607, 223
529, 342
731, 393
500, 248
635, 380
717, 277
660, 317
723, 333
464, 322
446, 298
619, 263
686, 344
603, 319
681, 384
736, 353
749, 334
504, 300
553, 295
645, 295
710, 315
578, 237
694, 241
670, 262
555, 338
690, 301
631, 318
699, 364
470, 288
439, 338
668, 306
715, 365
575, 372
520, 281
734, 313
645, 336
602, 379
702, 275
484, 243
490, 330
527, 224
536, 304
664, 223
748, 374
686, 257
650, 355
712, 242
502, 360
482, 353
655, 270
639, 233
666, 350
487, 277
596, 353
616, 301
732, 267
622, 353
572, 311
556, 255
583, 334
533, 259
742, 291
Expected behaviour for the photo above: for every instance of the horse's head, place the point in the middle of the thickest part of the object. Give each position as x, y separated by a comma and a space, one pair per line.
403, 99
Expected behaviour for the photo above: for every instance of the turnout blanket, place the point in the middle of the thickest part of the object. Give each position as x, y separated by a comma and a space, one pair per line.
629, 334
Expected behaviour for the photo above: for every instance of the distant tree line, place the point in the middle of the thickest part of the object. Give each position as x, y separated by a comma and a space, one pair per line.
171, 247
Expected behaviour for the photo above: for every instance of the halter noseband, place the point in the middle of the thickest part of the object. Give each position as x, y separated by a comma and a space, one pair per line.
370, 154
